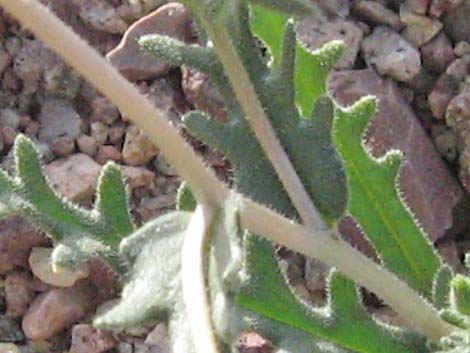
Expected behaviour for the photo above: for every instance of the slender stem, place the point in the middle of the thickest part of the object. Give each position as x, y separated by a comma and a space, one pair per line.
259, 122
328, 247
85, 60
193, 279
254, 217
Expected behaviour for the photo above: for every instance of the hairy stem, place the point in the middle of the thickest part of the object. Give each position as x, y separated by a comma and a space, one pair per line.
208, 189
265, 134
85, 60
193, 277
328, 247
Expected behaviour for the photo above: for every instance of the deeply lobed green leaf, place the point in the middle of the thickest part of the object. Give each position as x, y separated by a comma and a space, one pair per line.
377, 205
294, 78
80, 233
311, 67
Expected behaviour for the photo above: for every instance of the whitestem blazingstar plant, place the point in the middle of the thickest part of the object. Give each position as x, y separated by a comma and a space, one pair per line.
210, 267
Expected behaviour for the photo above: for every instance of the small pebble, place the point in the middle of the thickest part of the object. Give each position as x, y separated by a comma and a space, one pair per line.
41, 266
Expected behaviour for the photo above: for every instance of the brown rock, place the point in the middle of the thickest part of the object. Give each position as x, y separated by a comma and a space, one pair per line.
315, 32
424, 179
87, 144
458, 110
335, 7
417, 6
449, 252
116, 133
137, 177
104, 111
420, 29
8, 135
151, 207
459, 68
166, 94
10, 118
88, 339
108, 153
438, 53
173, 20
63, 146
456, 21
376, 13
203, 94
390, 54
16, 240
100, 16
32, 129
252, 342
57, 119
163, 167
20, 289
99, 131
446, 87
56, 310
439, 7
137, 149
462, 49
32, 60
41, 266
104, 279
445, 141
74, 177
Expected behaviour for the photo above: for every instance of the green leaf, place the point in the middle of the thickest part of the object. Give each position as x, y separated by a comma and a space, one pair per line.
280, 85
377, 205
292, 7
185, 199
311, 67
80, 233
455, 318
441, 287
59, 216
179, 53
460, 297
344, 321
113, 205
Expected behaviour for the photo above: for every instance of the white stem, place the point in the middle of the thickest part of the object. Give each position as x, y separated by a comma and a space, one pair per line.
85, 60
259, 122
254, 217
335, 252
193, 278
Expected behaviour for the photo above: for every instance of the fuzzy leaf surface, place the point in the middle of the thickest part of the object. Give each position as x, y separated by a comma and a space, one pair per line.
112, 203
80, 233
153, 253
343, 320
377, 205
310, 148
311, 67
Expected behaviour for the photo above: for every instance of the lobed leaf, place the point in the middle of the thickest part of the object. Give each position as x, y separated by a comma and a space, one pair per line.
295, 76
377, 205
311, 67
80, 233
112, 203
